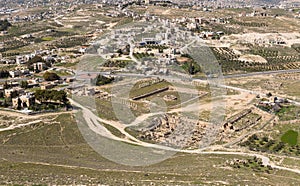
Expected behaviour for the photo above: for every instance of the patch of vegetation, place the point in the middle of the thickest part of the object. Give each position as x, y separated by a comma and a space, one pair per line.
102, 80
255, 164
159, 47
113, 130
105, 110
4, 25
191, 66
287, 113
47, 38
51, 76
143, 55
36, 59
62, 72
124, 21
290, 137
27, 28
249, 24
13, 44
116, 63
70, 42
66, 65
4, 74
51, 96
296, 47
138, 90
278, 58
286, 145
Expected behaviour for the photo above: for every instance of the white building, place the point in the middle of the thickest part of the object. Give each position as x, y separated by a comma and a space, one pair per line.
14, 74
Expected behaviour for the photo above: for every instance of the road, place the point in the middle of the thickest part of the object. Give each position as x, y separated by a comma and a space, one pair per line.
262, 73
225, 76
12, 127
57, 21
201, 80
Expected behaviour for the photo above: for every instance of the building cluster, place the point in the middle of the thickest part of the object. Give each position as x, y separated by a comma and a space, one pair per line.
21, 94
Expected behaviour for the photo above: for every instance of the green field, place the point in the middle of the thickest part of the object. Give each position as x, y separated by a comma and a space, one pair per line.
290, 137
288, 113
136, 91
47, 38
280, 139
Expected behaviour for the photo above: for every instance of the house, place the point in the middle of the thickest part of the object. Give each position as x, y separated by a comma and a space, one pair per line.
192, 26
23, 101
20, 60
27, 36
50, 59
3, 33
15, 84
47, 86
276, 107
14, 92
14, 74
25, 72
39, 66
83, 49
7, 61
70, 80
209, 34
220, 33
89, 91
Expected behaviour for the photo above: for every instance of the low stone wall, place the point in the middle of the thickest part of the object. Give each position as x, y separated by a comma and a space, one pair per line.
150, 93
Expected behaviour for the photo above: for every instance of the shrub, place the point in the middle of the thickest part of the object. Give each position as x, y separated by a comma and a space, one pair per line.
50, 76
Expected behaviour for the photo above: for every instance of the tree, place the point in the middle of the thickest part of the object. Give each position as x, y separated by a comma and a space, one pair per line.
6, 85
253, 138
51, 95
120, 51
25, 105
33, 60
4, 25
279, 146
191, 69
51, 76
5, 104
4, 74
265, 139
14, 94
24, 84
39, 95
269, 94
102, 80
8, 101
19, 104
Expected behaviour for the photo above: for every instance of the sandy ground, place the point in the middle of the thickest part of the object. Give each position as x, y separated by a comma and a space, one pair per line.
253, 58
16, 114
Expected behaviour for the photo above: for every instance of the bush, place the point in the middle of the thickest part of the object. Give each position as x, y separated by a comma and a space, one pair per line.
51, 95
4, 74
50, 76
102, 80
4, 25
